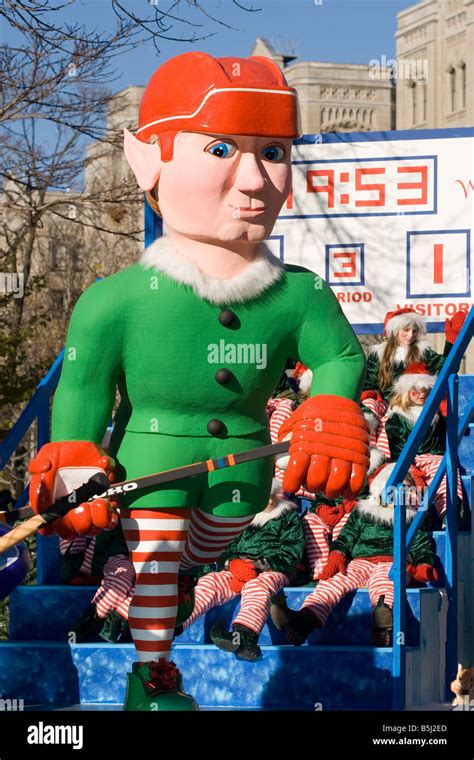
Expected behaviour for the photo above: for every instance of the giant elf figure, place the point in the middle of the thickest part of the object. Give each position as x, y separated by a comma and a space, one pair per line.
195, 336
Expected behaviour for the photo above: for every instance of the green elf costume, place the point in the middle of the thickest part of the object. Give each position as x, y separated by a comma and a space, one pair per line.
398, 423
362, 555
256, 565
100, 560
394, 322
233, 337
397, 357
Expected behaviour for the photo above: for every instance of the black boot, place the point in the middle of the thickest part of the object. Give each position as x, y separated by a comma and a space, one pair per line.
248, 648
279, 600
114, 627
88, 626
295, 625
382, 624
242, 641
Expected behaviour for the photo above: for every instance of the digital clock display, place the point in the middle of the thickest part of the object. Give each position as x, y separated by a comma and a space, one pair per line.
363, 187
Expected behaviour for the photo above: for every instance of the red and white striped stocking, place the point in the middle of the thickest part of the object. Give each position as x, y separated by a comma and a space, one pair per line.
208, 536
155, 539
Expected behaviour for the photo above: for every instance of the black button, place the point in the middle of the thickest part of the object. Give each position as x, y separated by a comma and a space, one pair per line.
223, 376
227, 318
215, 427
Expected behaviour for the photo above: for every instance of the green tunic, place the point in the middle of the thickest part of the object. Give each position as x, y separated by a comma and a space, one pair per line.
162, 345
370, 534
398, 427
431, 358
276, 545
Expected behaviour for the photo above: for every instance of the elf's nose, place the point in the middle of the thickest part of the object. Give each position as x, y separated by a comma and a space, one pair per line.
250, 176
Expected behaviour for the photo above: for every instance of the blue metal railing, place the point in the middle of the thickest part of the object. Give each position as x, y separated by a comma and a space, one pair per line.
36, 410
447, 382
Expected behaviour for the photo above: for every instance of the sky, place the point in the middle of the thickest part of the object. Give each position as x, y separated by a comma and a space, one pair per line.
342, 31
348, 31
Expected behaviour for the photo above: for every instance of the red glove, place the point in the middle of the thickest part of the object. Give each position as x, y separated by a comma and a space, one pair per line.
443, 408
330, 515
419, 476
329, 449
57, 469
423, 573
452, 327
349, 505
242, 570
337, 563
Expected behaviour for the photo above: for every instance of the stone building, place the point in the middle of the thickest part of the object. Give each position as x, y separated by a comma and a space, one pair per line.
434, 85
337, 97
434, 65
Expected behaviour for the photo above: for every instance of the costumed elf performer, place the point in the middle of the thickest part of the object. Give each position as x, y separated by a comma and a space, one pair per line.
213, 145
405, 343
256, 565
410, 393
104, 560
362, 555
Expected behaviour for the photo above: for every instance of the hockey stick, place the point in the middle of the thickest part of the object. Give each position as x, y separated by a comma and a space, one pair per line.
93, 489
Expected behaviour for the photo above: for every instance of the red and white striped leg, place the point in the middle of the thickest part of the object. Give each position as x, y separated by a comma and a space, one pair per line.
328, 594
379, 583
256, 596
208, 536
210, 591
155, 539
429, 463
317, 540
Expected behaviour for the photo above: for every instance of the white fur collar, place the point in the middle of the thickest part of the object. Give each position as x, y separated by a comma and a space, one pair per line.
372, 421
377, 458
371, 508
255, 278
400, 356
262, 518
411, 414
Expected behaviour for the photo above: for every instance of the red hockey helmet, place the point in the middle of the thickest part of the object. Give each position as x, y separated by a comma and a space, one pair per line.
195, 92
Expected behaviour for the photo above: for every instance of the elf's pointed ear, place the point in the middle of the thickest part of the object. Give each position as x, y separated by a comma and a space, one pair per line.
144, 160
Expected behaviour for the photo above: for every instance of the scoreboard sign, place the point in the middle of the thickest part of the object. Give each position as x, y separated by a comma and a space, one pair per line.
386, 219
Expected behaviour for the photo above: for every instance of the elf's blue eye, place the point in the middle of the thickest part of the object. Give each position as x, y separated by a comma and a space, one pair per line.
222, 149
273, 153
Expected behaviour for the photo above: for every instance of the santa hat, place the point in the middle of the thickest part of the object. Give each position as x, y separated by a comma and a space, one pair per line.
400, 318
196, 92
303, 376
415, 377
379, 479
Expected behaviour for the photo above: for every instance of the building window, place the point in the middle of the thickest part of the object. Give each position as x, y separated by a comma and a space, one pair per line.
412, 86
452, 87
463, 84
425, 102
